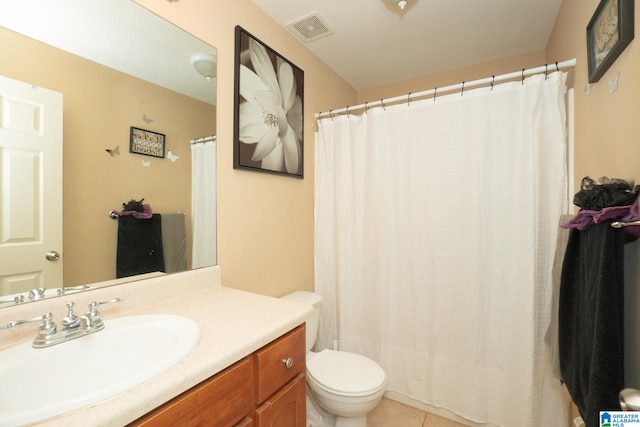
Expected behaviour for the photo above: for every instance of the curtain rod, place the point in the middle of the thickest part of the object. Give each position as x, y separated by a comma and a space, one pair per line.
493, 79
204, 139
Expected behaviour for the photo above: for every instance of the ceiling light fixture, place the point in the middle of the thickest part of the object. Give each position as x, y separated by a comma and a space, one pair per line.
399, 4
205, 65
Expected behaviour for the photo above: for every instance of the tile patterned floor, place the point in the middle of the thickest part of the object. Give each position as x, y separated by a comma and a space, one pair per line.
389, 413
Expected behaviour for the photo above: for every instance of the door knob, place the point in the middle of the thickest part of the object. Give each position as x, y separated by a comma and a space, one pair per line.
52, 256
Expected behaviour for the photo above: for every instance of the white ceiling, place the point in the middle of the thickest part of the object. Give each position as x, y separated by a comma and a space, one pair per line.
373, 45
119, 34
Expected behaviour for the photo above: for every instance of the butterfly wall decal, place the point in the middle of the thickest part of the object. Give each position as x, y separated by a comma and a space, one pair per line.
613, 84
113, 151
172, 156
146, 119
146, 164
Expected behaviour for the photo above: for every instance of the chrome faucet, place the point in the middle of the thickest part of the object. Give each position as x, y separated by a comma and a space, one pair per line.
35, 294
70, 321
72, 326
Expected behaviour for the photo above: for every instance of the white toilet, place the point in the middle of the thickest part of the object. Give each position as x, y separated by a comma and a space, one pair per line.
346, 385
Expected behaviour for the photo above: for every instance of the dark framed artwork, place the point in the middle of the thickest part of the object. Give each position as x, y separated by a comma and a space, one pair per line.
268, 109
609, 32
146, 142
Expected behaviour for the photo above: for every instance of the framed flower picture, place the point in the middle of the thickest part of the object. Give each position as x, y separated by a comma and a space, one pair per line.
268, 109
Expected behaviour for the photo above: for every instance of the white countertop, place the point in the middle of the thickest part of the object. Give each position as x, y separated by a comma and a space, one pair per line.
233, 324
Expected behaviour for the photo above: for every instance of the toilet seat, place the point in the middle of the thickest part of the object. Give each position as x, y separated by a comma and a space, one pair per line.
345, 374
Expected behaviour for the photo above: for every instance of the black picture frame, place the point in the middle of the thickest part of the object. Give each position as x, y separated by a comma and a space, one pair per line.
609, 32
146, 142
268, 128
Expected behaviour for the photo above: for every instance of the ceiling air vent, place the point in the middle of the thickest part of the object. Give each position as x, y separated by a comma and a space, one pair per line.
310, 28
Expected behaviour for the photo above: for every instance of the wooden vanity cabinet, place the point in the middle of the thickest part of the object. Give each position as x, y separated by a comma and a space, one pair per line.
266, 388
279, 368
223, 400
287, 408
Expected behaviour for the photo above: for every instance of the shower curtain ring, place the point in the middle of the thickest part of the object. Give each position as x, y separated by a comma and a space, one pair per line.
557, 68
493, 80
382, 102
347, 111
522, 82
435, 92
366, 110
546, 76
331, 114
409, 99
462, 90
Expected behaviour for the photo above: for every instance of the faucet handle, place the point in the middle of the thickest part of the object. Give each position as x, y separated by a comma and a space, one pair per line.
16, 323
48, 326
70, 320
93, 306
36, 294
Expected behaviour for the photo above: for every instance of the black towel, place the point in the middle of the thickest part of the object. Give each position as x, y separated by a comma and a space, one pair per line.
139, 246
591, 319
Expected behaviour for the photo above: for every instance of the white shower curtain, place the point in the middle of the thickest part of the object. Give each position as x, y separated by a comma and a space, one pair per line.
435, 230
203, 203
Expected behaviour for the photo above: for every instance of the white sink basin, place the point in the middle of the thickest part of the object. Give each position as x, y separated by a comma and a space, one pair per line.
36, 384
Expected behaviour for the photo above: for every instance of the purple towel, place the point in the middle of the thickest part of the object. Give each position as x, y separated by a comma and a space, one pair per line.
585, 218
146, 214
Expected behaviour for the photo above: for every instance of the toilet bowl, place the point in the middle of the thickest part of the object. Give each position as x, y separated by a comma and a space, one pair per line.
346, 385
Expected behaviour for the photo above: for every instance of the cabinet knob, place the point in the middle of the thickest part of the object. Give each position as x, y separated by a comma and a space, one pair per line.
288, 362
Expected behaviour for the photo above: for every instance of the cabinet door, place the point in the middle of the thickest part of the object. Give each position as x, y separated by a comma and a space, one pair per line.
288, 408
225, 399
279, 362
247, 422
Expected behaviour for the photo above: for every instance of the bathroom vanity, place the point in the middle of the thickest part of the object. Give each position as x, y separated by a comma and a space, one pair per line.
248, 368
264, 389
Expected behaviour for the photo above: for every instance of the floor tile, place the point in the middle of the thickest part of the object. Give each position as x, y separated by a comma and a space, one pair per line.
436, 421
389, 413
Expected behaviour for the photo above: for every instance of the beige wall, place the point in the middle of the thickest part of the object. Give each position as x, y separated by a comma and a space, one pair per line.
606, 124
265, 222
452, 77
100, 105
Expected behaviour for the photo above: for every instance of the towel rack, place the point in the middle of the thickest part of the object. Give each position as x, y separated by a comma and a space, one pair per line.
114, 215
620, 224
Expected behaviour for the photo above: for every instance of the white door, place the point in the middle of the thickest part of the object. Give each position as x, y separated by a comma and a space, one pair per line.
30, 187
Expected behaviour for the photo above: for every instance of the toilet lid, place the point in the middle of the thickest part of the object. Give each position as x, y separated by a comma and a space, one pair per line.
345, 373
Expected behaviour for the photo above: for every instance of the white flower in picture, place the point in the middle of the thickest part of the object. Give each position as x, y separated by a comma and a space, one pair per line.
271, 115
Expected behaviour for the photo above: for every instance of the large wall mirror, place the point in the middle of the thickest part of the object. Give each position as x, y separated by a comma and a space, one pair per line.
118, 66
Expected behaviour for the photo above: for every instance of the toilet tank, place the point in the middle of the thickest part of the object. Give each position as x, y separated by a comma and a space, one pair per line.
312, 323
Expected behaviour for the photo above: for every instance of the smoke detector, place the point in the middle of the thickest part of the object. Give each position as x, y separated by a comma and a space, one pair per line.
310, 28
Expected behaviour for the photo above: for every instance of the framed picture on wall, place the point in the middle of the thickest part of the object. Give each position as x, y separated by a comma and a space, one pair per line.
268, 109
146, 142
609, 32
